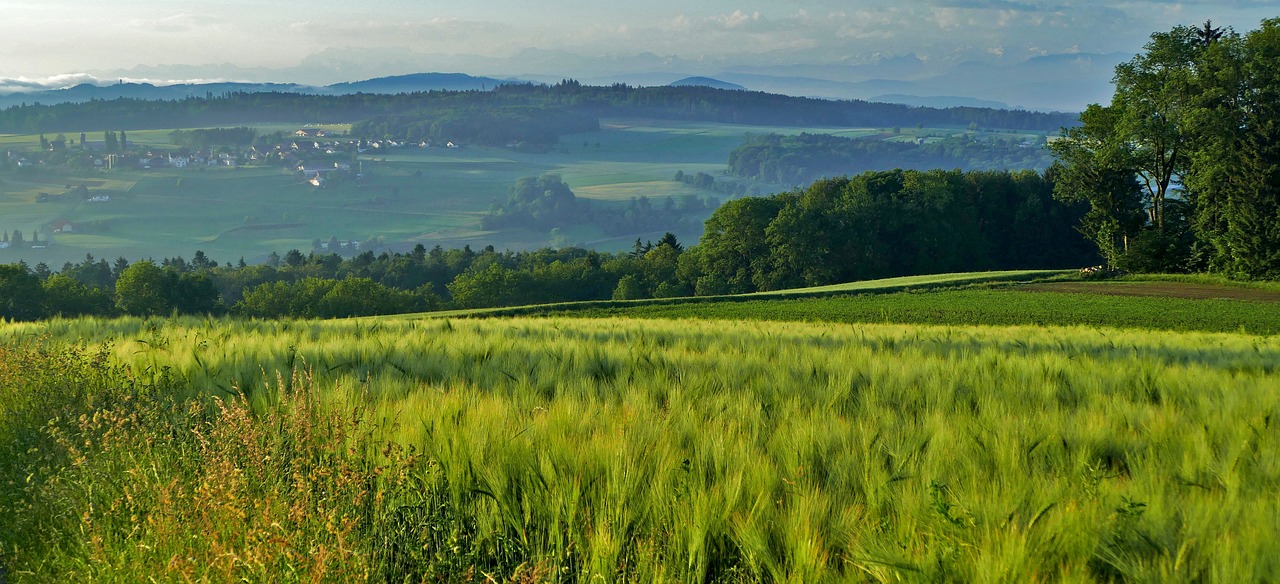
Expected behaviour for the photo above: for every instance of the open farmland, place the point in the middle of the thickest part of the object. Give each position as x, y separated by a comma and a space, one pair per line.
639, 450
410, 196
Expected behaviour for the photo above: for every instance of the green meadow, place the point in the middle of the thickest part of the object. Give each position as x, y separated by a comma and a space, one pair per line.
717, 442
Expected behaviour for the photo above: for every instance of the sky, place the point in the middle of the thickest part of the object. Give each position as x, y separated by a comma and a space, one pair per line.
350, 40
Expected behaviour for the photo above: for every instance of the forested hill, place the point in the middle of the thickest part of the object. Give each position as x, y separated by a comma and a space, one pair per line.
679, 103
808, 157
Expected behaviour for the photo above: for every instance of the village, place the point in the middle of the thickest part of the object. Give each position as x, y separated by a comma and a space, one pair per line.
315, 153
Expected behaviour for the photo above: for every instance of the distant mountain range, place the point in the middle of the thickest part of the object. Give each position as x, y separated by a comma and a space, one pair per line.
1057, 83
419, 82
705, 82
147, 91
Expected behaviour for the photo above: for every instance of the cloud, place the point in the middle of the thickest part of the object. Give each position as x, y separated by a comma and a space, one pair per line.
993, 5
372, 30
737, 19
29, 84
181, 23
11, 85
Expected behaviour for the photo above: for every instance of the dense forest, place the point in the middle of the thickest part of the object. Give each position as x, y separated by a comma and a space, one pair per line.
804, 158
537, 106
869, 226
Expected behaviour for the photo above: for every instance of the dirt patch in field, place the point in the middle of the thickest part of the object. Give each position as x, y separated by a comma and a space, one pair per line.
1170, 289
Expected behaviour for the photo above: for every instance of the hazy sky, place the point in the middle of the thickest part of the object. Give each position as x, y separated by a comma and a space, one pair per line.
40, 39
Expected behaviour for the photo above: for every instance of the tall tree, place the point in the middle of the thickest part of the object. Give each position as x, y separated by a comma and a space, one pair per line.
21, 297
1145, 136
1235, 179
1153, 104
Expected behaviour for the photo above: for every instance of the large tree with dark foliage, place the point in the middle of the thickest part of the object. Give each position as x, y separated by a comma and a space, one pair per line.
1234, 179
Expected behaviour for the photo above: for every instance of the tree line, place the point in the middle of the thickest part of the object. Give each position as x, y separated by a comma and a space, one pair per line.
872, 225
803, 158
1181, 170
884, 224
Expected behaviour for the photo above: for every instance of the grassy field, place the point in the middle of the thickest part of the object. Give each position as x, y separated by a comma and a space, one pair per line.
719, 446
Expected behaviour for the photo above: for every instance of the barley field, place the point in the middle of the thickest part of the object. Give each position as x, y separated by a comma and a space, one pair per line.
582, 450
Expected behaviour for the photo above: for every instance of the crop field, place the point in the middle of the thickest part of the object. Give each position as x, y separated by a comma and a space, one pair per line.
620, 449
1037, 304
1020, 297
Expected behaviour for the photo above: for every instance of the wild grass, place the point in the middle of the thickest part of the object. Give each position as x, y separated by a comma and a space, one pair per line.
578, 450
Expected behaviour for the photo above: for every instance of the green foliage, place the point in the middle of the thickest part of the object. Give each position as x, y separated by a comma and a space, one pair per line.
364, 297
628, 288
881, 224
1189, 138
492, 285
68, 297
1235, 176
145, 289
1093, 172
546, 202
733, 250
543, 202
20, 294
327, 298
